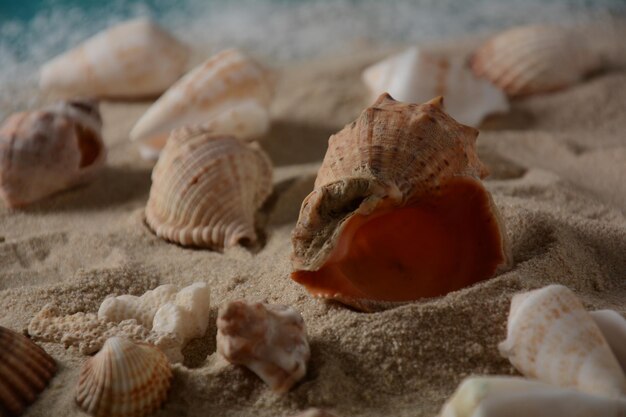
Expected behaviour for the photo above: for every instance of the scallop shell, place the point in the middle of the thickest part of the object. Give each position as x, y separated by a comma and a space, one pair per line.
535, 59
25, 370
552, 337
398, 211
613, 328
420, 73
124, 379
206, 190
228, 94
46, 151
132, 60
518, 397
268, 339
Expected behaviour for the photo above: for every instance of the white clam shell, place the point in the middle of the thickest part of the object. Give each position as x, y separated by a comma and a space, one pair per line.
613, 327
133, 59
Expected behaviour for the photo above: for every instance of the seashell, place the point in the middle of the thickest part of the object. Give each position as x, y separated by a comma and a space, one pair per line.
419, 73
206, 190
228, 94
142, 309
268, 339
398, 211
135, 59
124, 379
46, 151
25, 370
613, 328
535, 59
518, 397
314, 412
552, 337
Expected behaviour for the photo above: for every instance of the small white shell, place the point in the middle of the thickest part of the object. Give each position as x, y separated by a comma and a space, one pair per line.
613, 327
124, 379
268, 339
142, 309
134, 59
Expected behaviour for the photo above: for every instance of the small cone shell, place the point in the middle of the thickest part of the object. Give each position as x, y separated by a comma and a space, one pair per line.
552, 337
206, 190
227, 94
124, 379
135, 59
25, 370
613, 328
46, 151
535, 59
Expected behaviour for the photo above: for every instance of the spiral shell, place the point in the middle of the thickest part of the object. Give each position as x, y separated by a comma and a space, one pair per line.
46, 151
535, 59
124, 379
25, 370
206, 190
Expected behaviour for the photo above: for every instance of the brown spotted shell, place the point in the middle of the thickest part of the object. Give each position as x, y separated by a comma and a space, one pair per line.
206, 190
25, 370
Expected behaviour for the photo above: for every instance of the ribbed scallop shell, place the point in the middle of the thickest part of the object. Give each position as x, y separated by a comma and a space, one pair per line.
535, 59
206, 190
133, 59
46, 151
124, 379
25, 370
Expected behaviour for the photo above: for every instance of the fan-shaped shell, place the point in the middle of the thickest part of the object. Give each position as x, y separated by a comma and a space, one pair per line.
25, 370
398, 211
133, 59
206, 190
535, 59
228, 94
49, 150
124, 379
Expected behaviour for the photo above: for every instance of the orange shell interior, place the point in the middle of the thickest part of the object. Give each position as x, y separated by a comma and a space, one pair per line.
437, 244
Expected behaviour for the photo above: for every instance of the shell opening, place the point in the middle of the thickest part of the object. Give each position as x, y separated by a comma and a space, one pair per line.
88, 144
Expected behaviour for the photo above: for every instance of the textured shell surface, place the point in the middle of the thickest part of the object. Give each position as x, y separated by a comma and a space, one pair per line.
46, 151
420, 73
124, 379
551, 337
613, 328
25, 370
206, 190
142, 309
497, 396
377, 171
228, 94
268, 339
535, 59
134, 59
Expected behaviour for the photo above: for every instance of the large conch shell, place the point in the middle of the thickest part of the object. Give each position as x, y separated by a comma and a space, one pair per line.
398, 211
613, 328
124, 379
535, 59
228, 94
135, 59
25, 370
519, 397
46, 151
269, 339
420, 73
552, 337
206, 190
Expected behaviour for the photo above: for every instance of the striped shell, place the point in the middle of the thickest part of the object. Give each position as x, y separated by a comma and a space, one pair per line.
206, 190
25, 370
134, 59
124, 379
46, 151
535, 59
228, 94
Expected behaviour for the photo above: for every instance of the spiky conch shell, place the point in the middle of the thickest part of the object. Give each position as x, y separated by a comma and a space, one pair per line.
552, 337
135, 59
206, 190
46, 151
229, 94
25, 370
124, 379
392, 155
535, 59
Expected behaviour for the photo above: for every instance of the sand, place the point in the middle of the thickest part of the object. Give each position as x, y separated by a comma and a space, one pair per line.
558, 164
